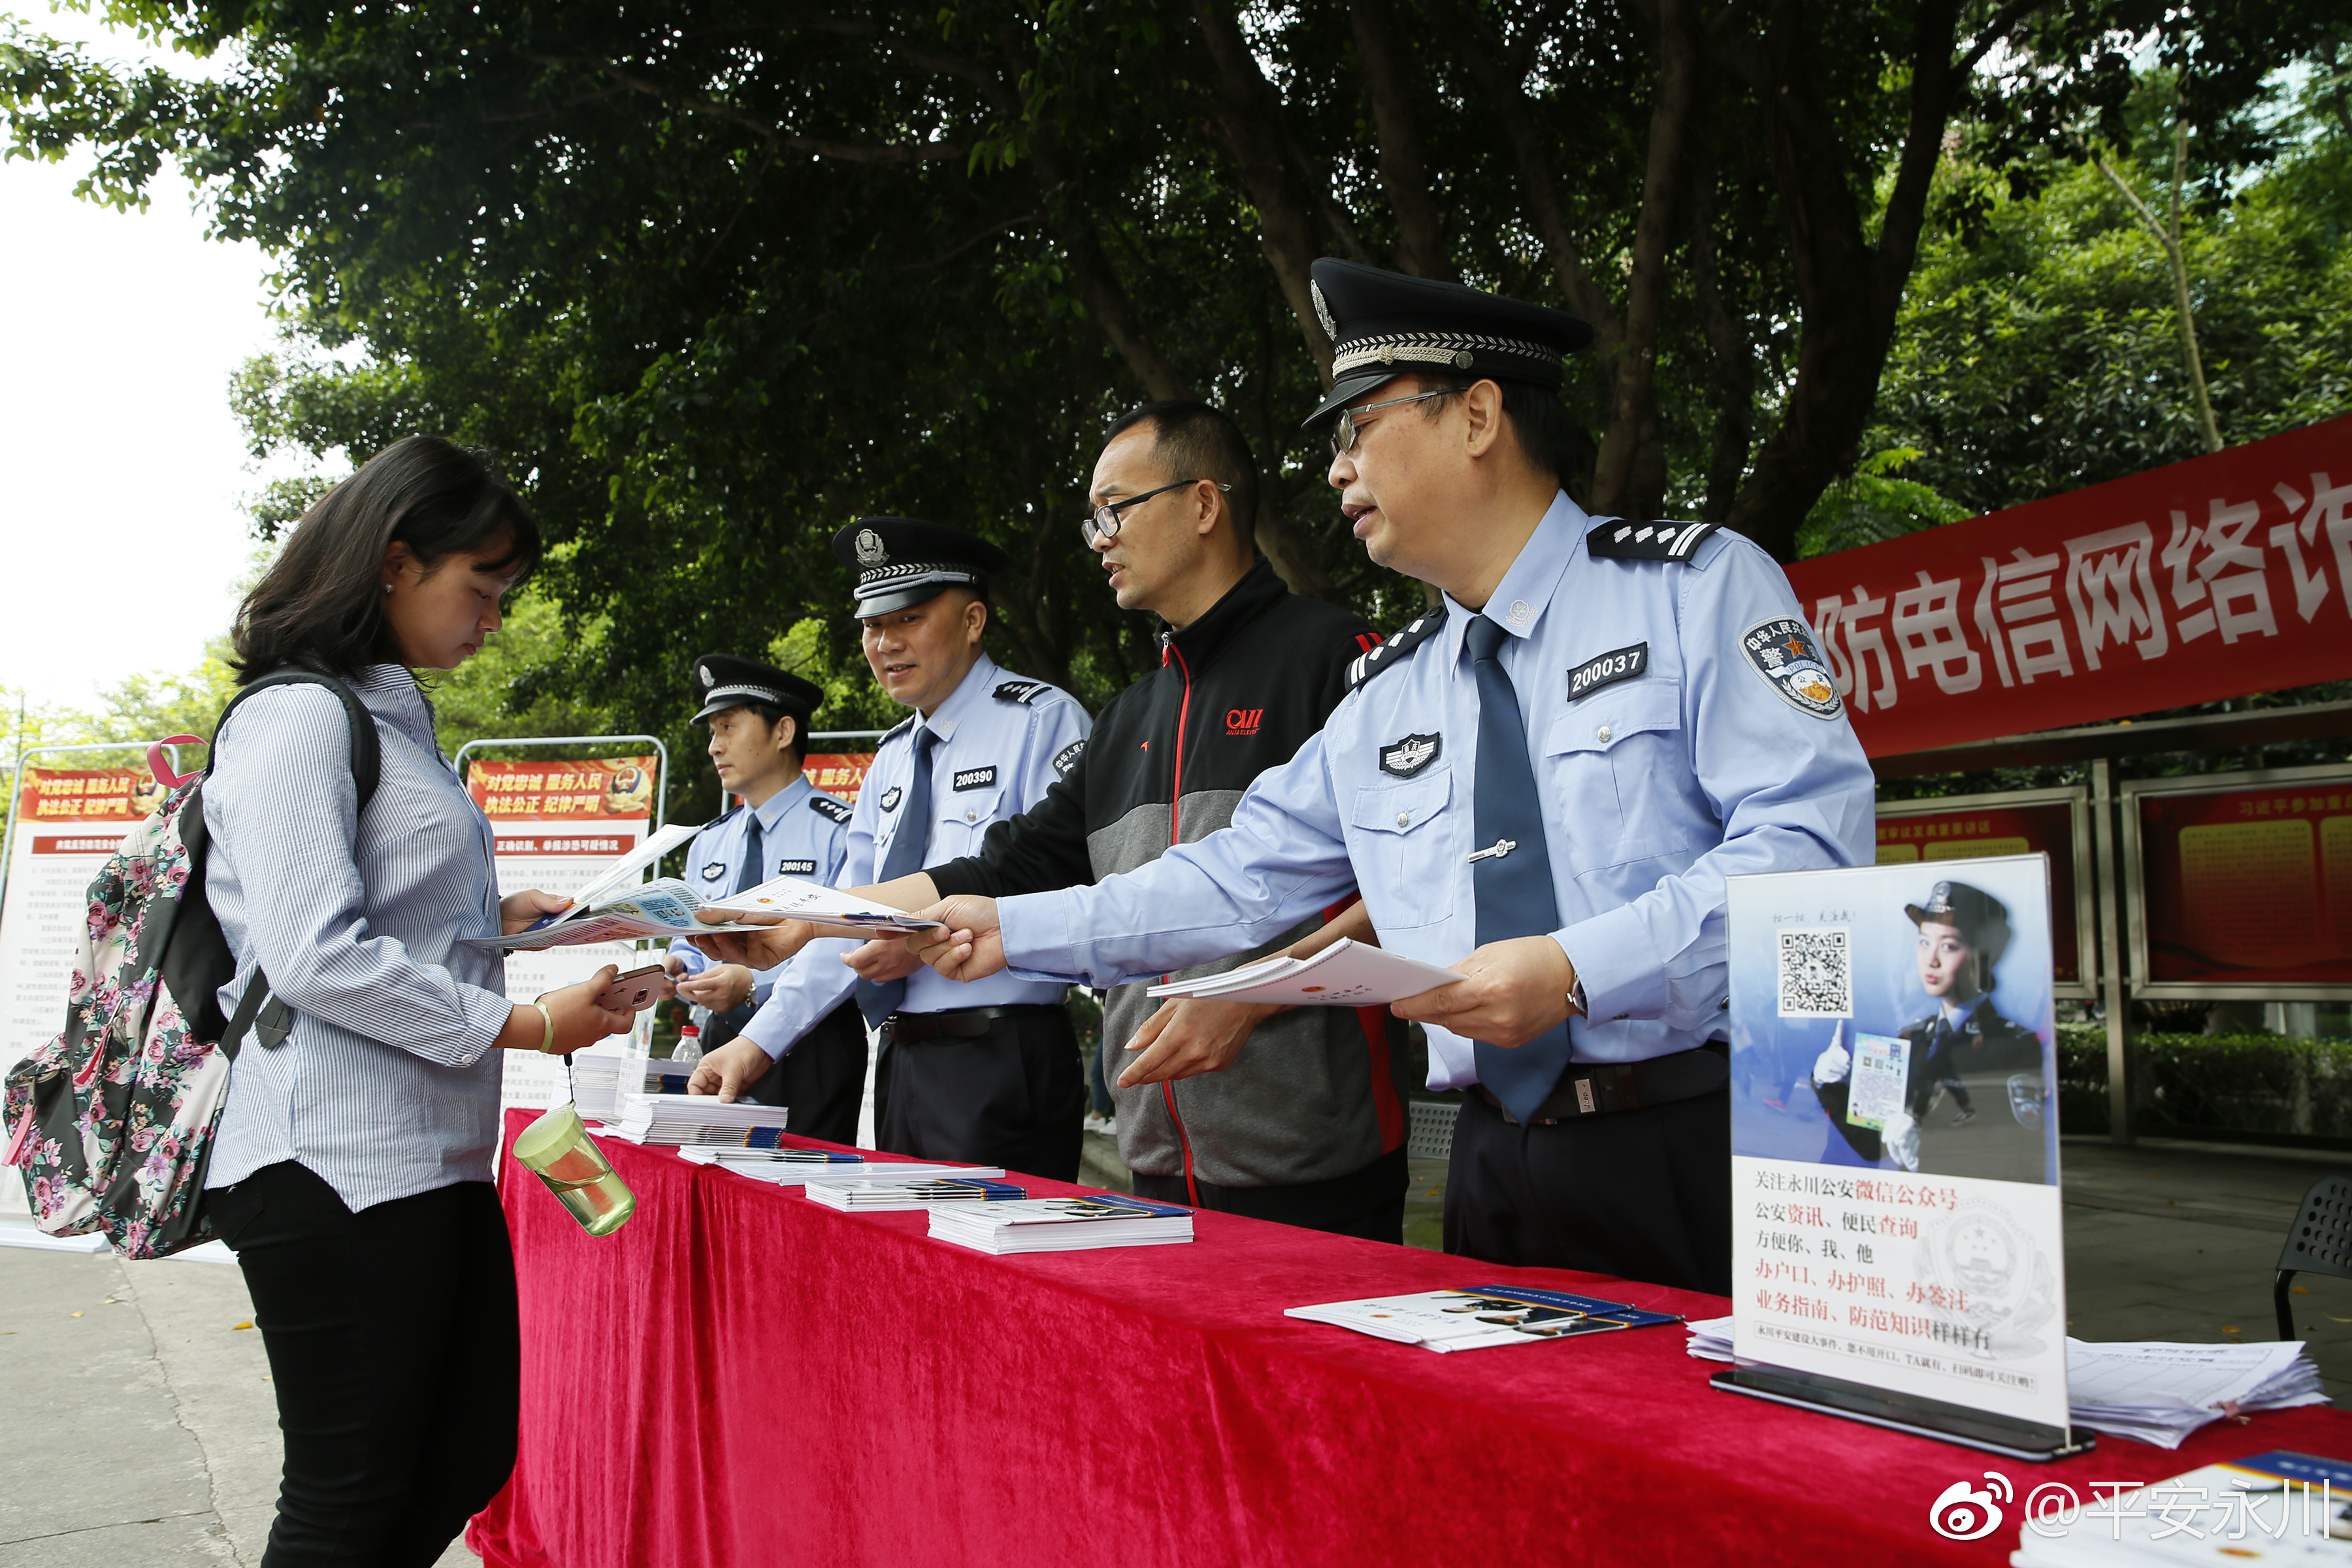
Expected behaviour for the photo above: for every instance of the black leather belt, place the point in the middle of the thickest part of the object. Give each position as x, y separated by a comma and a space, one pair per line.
1598, 1089
959, 1024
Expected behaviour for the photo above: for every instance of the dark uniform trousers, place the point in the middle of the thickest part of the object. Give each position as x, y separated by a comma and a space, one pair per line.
1642, 1194
1368, 1203
1014, 1097
822, 1079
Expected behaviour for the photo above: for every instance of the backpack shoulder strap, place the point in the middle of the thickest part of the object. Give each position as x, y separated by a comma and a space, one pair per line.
367, 751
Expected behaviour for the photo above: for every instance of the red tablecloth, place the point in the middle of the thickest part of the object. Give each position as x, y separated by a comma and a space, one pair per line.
741, 1376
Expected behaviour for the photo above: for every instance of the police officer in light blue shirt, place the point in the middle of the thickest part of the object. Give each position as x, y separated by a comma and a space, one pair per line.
986, 1073
781, 827
1543, 784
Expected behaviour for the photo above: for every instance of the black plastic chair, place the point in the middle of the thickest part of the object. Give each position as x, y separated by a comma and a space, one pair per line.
2319, 1242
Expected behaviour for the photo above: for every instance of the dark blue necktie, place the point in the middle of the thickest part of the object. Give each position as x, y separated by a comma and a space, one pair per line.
906, 859
754, 853
1513, 890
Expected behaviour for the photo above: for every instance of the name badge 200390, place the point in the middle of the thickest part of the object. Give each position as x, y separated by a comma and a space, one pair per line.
1618, 664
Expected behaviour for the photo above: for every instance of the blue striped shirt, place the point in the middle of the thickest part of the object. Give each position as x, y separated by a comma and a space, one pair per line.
388, 1085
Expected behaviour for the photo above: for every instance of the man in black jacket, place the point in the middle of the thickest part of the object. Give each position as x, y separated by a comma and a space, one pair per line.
1291, 1115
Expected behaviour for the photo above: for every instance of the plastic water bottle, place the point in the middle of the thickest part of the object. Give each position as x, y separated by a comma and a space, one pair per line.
690, 1043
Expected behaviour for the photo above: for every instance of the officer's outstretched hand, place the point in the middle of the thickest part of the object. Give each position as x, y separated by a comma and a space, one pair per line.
973, 948
1187, 1037
752, 949
1510, 993
1831, 1066
883, 960
729, 1070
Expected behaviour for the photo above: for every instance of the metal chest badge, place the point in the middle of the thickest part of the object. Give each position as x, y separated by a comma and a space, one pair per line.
1407, 757
1785, 652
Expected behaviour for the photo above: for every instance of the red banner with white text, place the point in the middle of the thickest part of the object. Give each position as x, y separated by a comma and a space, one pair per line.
2226, 574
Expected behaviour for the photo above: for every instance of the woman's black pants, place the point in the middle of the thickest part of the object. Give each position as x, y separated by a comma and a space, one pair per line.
394, 1350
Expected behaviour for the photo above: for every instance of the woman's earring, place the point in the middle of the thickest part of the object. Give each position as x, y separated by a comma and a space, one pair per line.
387, 587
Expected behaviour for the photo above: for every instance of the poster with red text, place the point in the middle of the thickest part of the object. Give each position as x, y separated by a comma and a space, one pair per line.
68, 820
2247, 886
840, 774
556, 825
2223, 575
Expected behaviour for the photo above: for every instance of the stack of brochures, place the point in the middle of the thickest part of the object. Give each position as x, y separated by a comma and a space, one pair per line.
1347, 973
869, 1197
795, 1167
598, 1080
1480, 1316
2278, 1507
1061, 1225
2155, 1391
673, 1120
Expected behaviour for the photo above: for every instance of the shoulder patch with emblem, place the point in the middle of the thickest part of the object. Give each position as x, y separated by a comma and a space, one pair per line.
795, 868
1629, 539
824, 805
1021, 691
1392, 652
1407, 757
891, 797
1067, 757
1618, 664
1785, 653
975, 778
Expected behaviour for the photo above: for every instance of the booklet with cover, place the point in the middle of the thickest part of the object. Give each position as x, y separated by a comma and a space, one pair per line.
757, 1155
869, 1197
2279, 1507
668, 907
1347, 973
1061, 1225
1480, 1316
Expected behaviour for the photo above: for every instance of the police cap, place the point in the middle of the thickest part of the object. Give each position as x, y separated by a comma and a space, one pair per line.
1384, 324
1977, 914
901, 562
724, 681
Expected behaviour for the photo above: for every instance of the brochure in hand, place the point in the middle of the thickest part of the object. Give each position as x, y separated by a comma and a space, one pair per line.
1480, 1316
667, 906
1347, 973
1061, 1225
2279, 1507
870, 1197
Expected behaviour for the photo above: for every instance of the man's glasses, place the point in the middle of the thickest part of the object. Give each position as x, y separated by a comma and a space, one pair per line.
1104, 522
1350, 423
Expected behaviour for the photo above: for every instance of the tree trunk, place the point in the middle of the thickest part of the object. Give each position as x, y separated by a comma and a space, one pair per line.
1404, 173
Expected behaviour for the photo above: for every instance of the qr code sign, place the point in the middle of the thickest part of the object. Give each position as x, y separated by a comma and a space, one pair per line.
1816, 973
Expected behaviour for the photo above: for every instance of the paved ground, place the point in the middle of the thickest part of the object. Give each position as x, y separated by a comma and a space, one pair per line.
143, 1430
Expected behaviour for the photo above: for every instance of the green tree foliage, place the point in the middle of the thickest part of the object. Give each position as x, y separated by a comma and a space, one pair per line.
715, 278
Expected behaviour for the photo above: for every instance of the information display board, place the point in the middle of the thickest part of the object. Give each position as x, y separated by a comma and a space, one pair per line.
841, 773
68, 820
1897, 1252
556, 825
2241, 885
2053, 821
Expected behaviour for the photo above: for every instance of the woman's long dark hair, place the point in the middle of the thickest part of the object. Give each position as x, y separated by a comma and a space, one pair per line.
321, 602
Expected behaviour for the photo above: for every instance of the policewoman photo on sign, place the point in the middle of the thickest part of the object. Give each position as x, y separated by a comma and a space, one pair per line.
1543, 784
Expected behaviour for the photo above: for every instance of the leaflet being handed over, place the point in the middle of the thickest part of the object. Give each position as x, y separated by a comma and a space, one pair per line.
669, 908
1347, 973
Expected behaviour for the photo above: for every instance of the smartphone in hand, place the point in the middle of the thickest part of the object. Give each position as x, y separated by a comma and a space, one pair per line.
635, 991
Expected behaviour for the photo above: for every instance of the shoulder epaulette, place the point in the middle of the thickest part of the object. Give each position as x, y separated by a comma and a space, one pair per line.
1629, 539
902, 727
1392, 652
824, 805
1021, 691
726, 815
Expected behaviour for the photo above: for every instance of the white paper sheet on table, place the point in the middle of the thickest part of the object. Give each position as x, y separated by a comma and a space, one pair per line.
1347, 973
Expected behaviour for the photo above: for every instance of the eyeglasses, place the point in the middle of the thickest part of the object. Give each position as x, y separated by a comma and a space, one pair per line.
1104, 522
1350, 421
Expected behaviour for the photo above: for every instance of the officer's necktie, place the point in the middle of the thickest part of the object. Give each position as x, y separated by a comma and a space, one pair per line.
1513, 890
754, 853
906, 859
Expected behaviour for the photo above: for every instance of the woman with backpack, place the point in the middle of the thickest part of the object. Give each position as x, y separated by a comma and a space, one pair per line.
351, 1169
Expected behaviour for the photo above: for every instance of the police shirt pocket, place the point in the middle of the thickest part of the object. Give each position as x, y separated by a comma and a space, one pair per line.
1615, 761
1403, 842
970, 811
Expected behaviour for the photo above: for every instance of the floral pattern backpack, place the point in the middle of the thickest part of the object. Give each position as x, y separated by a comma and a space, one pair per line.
111, 1122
